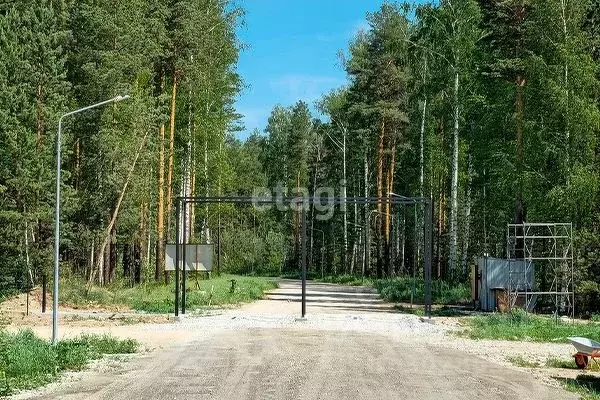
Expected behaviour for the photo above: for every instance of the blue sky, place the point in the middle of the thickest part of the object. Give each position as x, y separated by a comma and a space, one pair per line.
292, 54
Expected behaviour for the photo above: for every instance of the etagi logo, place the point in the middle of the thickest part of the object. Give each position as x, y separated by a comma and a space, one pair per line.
282, 199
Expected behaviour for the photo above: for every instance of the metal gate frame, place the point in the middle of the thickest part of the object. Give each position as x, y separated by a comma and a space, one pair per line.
302, 202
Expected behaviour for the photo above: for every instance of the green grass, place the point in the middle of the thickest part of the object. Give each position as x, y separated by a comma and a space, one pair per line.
348, 280
552, 362
567, 364
444, 311
399, 290
159, 298
588, 386
523, 363
517, 325
27, 361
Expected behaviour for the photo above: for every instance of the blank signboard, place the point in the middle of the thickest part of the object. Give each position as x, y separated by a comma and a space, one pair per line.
198, 257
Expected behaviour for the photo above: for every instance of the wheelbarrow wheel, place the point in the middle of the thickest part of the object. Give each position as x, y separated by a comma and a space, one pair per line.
581, 361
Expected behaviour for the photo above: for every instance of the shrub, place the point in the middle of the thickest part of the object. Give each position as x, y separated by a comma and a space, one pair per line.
400, 289
587, 298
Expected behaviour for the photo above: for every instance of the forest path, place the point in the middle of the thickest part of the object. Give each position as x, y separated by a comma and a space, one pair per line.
321, 298
349, 346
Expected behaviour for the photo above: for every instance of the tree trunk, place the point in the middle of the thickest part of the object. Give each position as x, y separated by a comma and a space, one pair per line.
312, 217
297, 228
388, 207
422, 151
92, 263
27, 263
112, 265
380, 149
160, 209
563, 6
128, 262
193, 193
171, 153
519, 208
454, 185
206, 228
113, 219
344, 194
439, 185
143, 234
356, 236
77, 168
187, 181
137, 264
421, 181
396, 246
40, 116
367, 223
105, 265
403, 251
466, 236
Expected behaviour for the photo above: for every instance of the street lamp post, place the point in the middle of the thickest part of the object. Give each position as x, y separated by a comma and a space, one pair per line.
57, 220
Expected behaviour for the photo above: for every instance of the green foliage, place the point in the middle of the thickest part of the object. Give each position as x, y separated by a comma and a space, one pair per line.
27, 361
561, 363
469, 62
587, 298
159, 298
349, 280
520, 361
33, 90
400, 289
285, 155
246, 252
587, 291
588, 386
518, 325
61, 56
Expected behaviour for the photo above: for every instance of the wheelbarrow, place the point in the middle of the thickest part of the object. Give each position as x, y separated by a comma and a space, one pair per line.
587, 350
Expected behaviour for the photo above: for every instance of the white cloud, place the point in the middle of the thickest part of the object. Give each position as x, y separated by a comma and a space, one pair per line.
254, 117
359, 26
309, 88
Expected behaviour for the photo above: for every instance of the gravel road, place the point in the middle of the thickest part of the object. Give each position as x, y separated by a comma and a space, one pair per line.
351, 346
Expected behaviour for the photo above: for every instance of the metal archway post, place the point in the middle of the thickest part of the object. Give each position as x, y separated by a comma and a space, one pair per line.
303, 211
183, 247
177, 214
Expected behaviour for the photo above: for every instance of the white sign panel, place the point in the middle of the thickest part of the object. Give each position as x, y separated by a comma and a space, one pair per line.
198, 257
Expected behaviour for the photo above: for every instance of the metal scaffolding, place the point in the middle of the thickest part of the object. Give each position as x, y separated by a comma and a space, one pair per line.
545, 250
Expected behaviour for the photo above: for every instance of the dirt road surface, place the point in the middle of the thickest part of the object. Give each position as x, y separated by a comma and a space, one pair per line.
351, 346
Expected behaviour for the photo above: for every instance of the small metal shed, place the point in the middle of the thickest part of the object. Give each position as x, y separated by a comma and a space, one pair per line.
494, 274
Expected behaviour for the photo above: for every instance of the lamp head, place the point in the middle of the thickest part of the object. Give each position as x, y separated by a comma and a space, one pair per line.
120, 98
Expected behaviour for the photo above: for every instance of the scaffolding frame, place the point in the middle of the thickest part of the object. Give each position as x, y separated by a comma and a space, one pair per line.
531, 244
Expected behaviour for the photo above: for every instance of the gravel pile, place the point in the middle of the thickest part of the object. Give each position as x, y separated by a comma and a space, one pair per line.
388, 324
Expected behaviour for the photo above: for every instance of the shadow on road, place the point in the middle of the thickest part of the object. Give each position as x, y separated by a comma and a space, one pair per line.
330, 298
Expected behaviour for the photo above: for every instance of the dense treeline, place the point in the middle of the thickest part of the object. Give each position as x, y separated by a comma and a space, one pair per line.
126, 162
489, 108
